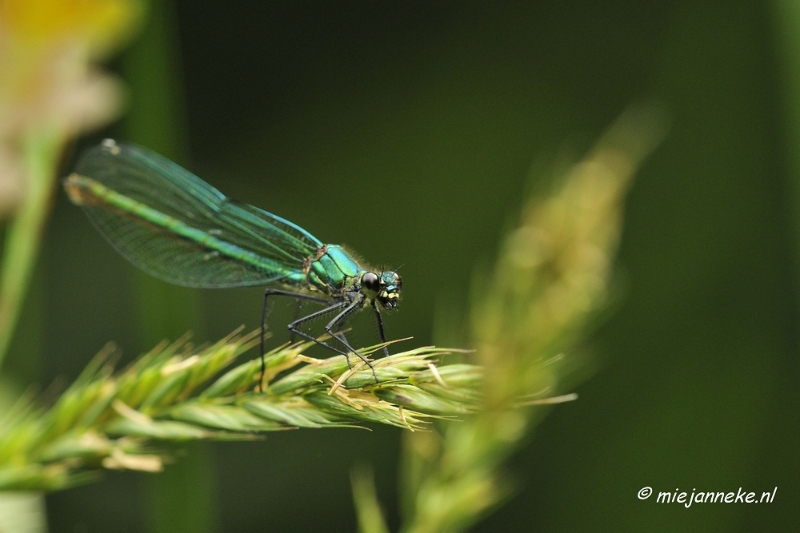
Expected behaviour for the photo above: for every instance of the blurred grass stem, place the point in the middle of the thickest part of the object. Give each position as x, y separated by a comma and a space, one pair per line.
41, 152
528, 320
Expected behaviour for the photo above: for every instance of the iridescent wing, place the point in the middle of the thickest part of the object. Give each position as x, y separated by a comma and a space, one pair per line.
175, 226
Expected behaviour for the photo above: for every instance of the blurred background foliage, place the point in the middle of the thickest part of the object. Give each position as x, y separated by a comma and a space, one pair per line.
410, 131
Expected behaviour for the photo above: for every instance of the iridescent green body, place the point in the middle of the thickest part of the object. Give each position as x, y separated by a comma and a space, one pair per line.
333, 266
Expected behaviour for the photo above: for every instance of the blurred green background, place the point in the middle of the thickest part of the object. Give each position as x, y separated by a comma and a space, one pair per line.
408, 131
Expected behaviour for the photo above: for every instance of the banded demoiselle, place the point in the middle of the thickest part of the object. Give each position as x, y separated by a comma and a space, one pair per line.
177, 227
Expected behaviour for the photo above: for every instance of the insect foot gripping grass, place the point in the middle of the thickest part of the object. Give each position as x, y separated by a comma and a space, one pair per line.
125, 419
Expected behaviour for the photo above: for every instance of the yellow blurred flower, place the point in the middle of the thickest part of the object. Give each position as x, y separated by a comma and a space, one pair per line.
47, 84
100, 24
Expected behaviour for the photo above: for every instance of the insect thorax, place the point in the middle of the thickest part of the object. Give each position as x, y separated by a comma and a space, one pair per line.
333, 271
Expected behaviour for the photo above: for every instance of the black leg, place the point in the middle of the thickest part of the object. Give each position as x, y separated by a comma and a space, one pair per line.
278, 292
342, 338
296, 316
339, 319
316, 314
379, 319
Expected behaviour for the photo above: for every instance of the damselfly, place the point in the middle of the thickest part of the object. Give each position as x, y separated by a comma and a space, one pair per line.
177, 227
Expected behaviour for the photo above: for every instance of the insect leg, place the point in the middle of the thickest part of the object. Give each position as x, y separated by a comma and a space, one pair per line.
340, 318
264, 314
316, 314
296, 316
379, 319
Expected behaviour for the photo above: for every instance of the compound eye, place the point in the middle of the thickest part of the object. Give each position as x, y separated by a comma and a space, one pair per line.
396, 280
370, 282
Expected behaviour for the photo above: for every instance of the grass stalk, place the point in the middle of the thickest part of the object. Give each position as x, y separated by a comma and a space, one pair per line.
528, 321
24, 233
125, 419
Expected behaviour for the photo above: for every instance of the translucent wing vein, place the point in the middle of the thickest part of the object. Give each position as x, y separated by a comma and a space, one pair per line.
177, 227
